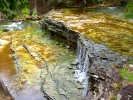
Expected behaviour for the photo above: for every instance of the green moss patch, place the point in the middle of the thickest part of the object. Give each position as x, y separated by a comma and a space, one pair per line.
126, 74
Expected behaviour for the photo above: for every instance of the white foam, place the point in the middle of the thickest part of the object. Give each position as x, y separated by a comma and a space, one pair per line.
2, 42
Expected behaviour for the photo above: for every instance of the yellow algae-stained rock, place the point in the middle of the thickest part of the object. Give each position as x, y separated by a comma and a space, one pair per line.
104, 44
112, 32
37, 60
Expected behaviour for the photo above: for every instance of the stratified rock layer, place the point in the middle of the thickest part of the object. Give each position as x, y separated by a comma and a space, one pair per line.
114, 33
103, 43
39, 68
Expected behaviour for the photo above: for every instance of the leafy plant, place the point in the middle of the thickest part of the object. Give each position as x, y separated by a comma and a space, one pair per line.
34, 12
129, 10
11, 7
69, 2
25, 12
128, 16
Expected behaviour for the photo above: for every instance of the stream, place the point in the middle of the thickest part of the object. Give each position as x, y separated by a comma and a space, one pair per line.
32, 64
36, 66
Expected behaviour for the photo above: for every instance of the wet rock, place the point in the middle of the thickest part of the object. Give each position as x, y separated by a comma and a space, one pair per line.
92, 57
95, 76
6, 30
74, 62
80, 87
4, 93
38, 59
90, 95
130, 65
118, 97
70, 67
68, 47
126, 92
114, 74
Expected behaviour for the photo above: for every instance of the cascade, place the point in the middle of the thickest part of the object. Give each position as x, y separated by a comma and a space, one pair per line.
101, 48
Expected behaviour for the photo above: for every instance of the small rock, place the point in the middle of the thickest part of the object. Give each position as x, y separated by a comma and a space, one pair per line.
70, 67
37, 58
68, 47
6, 30
119, 97
34, 54
95, 76
80, 87
102, 99
74, 62
73, 72
130, 65
57, 43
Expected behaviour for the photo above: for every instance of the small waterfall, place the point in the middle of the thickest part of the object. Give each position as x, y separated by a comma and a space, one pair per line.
83, 63
83, 54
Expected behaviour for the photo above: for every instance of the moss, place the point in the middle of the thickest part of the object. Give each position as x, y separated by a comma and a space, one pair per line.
126, 74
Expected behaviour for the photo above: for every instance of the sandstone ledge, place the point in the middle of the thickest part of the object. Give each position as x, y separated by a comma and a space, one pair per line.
100, 64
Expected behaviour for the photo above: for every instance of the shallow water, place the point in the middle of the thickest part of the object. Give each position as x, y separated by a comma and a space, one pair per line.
103, 27
7, 67
35, 62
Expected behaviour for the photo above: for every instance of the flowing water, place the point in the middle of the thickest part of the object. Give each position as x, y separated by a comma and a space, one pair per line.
104, 38
32, 65
104, 26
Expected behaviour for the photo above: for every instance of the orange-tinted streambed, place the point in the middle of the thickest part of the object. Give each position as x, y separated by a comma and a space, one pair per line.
7, 68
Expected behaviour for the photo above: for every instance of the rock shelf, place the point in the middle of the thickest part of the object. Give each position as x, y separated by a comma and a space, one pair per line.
104, 44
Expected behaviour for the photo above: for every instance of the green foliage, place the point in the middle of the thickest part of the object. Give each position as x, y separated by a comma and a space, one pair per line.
11, 7
26, 12
12, 16
126, 74
129, 10
45, 32
69, 2
34, 12
128, 16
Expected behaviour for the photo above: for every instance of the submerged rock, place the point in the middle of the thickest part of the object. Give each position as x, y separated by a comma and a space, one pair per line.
6, 30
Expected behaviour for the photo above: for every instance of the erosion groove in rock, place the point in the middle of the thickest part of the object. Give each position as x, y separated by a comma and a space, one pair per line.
104, 44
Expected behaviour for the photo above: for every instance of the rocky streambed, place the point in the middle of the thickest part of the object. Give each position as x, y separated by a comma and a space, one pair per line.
104, 45
34, 67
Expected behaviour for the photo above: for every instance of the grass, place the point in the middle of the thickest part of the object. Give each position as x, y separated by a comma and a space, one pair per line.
126, 74
128, 16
